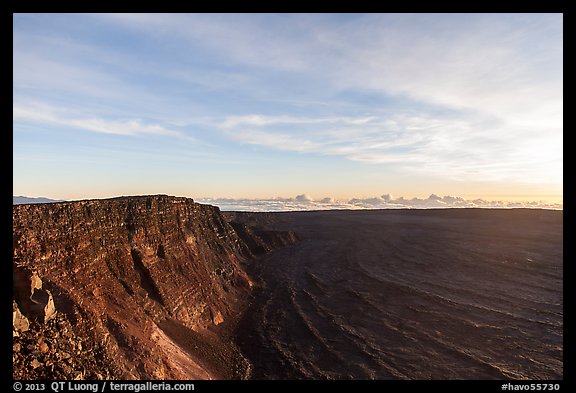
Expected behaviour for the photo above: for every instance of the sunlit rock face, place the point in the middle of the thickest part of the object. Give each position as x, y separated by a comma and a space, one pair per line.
118, 270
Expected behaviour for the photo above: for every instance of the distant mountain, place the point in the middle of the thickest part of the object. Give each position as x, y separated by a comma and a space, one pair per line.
22, 200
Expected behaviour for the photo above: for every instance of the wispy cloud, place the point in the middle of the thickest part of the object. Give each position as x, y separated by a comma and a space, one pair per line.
463, 98
263, 120
472, 61
453, 146
62, 117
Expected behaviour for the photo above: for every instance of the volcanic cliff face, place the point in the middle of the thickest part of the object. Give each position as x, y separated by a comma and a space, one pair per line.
148, 286
258, 231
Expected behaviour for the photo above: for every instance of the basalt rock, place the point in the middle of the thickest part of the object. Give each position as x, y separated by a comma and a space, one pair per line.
107, 277
255, 230
35, 302
19, 322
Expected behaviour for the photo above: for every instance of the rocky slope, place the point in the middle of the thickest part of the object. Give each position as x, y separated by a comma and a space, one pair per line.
134, 287
258, 231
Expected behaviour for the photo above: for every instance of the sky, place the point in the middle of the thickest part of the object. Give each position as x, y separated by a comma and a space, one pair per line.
289, 107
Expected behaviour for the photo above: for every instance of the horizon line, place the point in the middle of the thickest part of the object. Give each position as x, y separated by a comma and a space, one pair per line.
305, 203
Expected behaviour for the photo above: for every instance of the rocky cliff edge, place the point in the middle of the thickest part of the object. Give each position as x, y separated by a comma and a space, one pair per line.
143, 287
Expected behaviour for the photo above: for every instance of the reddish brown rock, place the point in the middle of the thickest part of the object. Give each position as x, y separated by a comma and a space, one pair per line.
43, 347
116, 270
35, 363
218, 318
121, 266
19, 322
35, 302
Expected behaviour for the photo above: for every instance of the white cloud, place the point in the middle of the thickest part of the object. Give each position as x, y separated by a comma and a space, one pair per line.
304, 202
64, 70
504, 65
468, 97
499, 76
245, 40
262, 120
489, 65
456, 147
45, 114
303, 198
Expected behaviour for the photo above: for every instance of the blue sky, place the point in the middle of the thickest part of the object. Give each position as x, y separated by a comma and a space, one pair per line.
267, 105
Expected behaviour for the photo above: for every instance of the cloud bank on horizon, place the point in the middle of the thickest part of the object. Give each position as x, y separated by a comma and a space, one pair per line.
137, 103
304, 202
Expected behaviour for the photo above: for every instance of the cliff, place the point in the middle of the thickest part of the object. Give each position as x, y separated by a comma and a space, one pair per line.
258, 231
132, 287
